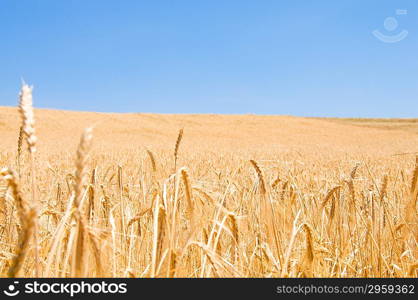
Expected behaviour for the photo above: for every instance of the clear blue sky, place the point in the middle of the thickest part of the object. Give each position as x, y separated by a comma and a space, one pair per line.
294, 57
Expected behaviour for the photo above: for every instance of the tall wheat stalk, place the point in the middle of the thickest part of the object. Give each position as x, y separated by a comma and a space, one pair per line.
79, 185
28, 128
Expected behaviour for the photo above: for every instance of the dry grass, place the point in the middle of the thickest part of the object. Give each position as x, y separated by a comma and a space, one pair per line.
249, 196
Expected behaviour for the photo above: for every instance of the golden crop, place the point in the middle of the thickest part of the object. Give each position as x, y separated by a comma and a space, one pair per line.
144, 195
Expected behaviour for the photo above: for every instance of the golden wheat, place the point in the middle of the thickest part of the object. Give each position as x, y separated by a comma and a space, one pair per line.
262, 201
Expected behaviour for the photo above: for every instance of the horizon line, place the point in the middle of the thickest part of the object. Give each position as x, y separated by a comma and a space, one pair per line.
220, 114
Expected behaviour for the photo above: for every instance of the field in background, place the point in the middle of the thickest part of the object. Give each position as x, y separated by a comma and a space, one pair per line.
395, 124
249, 196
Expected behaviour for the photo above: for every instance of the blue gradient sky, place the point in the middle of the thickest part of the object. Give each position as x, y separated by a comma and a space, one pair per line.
299, 57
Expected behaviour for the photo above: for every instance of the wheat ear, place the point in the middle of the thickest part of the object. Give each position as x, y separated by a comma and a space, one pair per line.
259, 175
19, 148
27, 116
188, 191
152, 160
176, 148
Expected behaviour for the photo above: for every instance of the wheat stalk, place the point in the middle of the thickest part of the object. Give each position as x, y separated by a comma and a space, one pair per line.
26, 221
10, 177
188, 192
329, 195
411, 216
24, 239
79, 183
152, 160
28, 128
19, 148
177, 146
81, 164
309, 245
260, 176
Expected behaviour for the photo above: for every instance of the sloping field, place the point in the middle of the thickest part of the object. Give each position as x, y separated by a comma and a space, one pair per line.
247, 196
216, 132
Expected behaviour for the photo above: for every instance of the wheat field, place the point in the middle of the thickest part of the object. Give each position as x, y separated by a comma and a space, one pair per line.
148, 195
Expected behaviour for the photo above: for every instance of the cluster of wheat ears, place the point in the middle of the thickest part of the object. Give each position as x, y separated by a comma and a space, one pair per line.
162, 222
